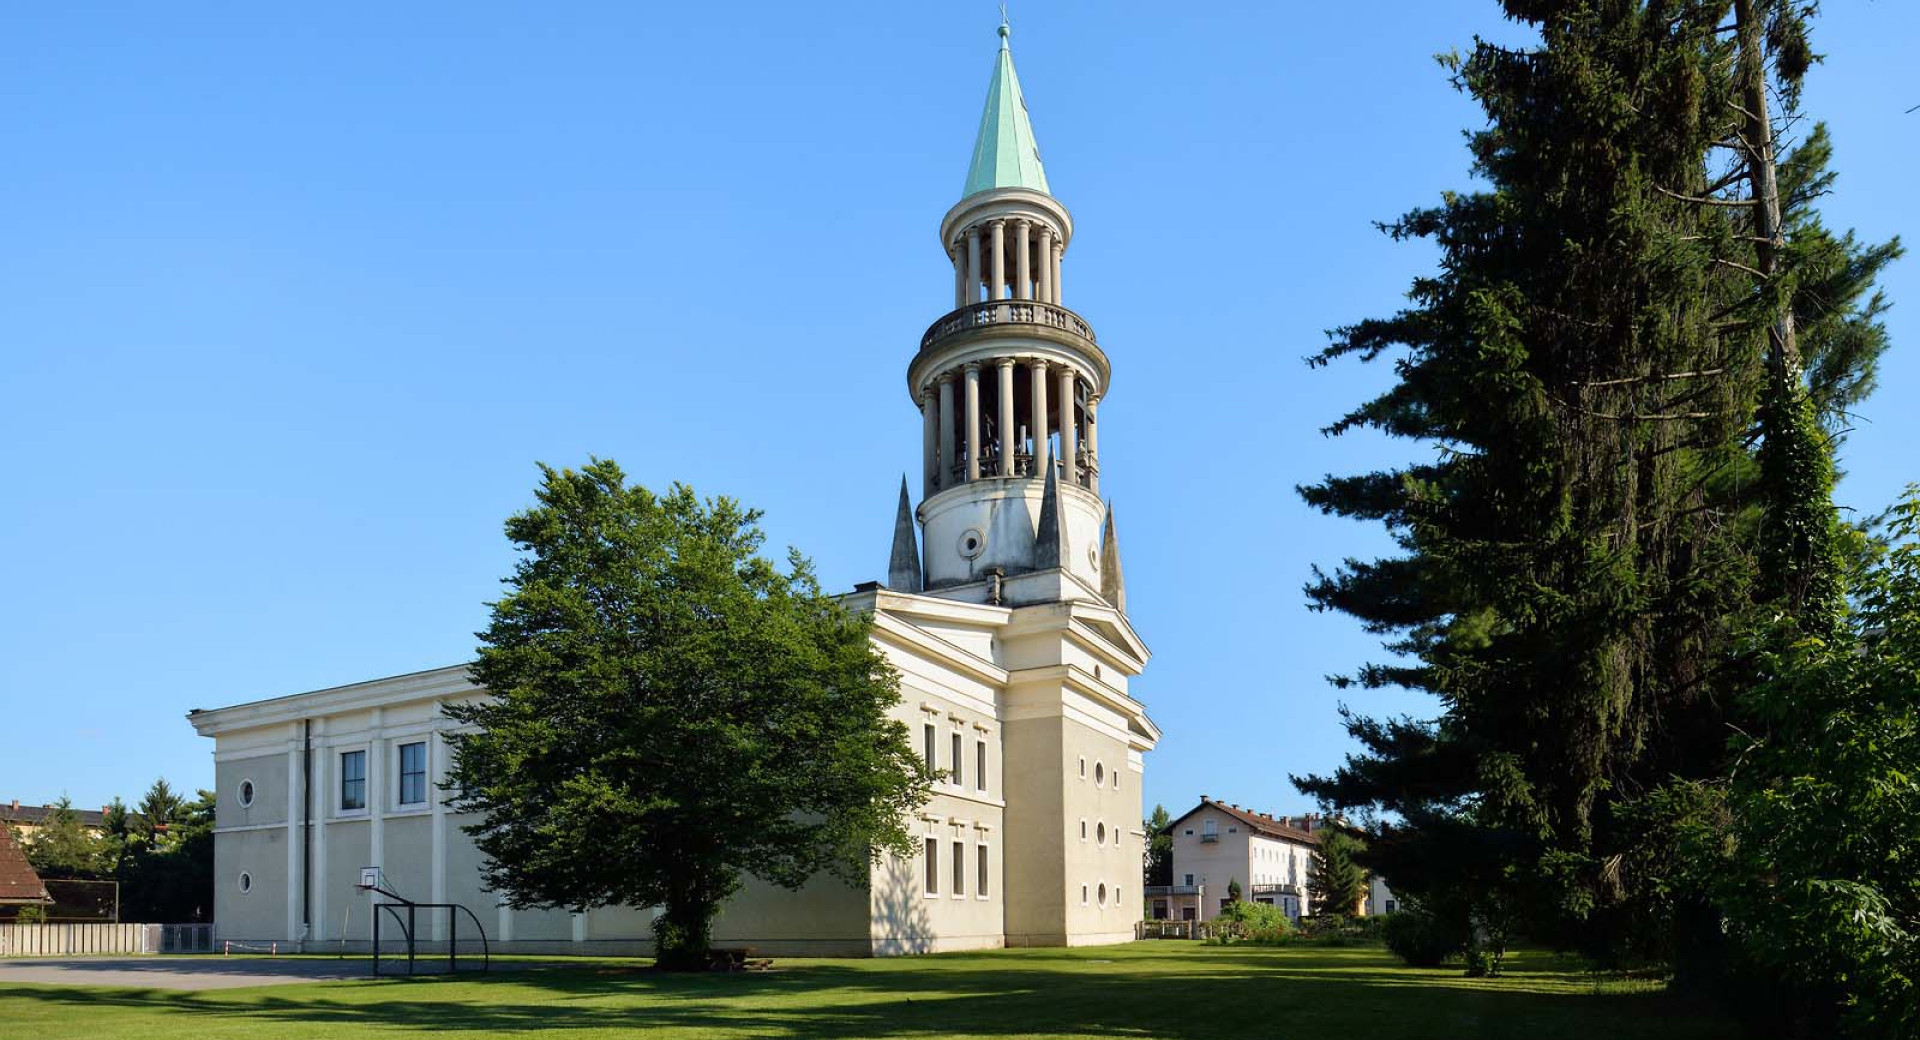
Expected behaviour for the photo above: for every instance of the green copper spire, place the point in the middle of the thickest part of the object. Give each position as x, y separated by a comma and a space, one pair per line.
1005, 155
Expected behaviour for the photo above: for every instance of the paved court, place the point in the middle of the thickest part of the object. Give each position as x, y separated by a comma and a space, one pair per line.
186, 973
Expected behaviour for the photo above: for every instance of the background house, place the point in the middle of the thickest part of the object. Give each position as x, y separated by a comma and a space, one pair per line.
19, 885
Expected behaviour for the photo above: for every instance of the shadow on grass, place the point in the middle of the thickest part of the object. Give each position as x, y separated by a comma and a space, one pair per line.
1182, 993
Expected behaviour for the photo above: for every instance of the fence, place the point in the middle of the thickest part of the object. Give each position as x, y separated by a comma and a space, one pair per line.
67, 940
1162, 929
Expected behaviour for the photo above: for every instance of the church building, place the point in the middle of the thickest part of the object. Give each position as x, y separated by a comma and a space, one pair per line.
1004, 611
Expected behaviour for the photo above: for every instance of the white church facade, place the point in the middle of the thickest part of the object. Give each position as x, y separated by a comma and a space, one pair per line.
1004, 611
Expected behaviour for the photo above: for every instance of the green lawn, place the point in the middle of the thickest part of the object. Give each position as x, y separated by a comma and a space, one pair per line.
1151, 989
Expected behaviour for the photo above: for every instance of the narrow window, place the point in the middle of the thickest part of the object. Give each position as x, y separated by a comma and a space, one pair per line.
1189, 881
1083, 769
980, 889
931, 737
1083, 895
413, 773
933, 866
980, 764
959, 774
1083, 830
959, 868
353, 780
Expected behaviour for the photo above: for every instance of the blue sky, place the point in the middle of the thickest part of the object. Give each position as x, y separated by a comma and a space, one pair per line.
294, 301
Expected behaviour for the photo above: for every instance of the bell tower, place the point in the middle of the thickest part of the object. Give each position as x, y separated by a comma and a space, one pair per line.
1008, 385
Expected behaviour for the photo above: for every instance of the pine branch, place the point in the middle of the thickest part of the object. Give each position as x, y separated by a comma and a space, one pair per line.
1701, 201
1646, 378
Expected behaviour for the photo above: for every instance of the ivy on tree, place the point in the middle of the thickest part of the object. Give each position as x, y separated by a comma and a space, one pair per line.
670, 712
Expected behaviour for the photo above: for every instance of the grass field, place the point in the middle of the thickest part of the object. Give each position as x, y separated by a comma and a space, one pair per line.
1177, 990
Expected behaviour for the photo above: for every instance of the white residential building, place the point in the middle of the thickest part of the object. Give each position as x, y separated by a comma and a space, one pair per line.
1217, 845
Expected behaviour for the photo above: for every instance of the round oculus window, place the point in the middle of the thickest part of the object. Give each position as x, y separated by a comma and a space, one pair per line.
1103, 894
1099, 834
246, 882
246, 793
1099, 773
972, 543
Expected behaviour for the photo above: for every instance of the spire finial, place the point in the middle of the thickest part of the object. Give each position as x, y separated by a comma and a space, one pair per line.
1005, 30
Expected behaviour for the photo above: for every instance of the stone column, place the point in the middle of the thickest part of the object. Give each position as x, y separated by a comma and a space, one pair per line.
1007, 430
1059, 249
959, 255
1069, 440
437, 819
973, 266
997, 265
1022, 260
930, 441
1037, 372
1093, 443
293, 833
973, 420
946, 430
1046, 264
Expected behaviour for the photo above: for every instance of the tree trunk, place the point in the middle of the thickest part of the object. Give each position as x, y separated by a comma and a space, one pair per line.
1797, 567
683, 934
1783, 349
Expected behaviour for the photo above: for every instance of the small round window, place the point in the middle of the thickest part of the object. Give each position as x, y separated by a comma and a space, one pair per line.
1099, 773
1100, 834
1103, 894
246, 793
972, 543
246, 881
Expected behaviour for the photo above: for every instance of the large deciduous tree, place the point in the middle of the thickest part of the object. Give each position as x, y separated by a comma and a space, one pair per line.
669, 712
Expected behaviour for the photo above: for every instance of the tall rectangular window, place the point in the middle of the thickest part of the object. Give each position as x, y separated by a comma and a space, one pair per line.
980, 889
959, 774
413, 773
959, 868
980, 764
353, 780
933, 866
931, 737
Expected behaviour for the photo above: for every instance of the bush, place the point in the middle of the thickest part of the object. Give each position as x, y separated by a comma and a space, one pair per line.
1340, 930
1423, 940
1483, 963
1256, 923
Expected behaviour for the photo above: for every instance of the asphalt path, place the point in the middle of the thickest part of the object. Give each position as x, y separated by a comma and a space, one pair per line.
181, 973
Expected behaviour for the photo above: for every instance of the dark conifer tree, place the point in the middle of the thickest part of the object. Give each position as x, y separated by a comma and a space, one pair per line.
1588, 365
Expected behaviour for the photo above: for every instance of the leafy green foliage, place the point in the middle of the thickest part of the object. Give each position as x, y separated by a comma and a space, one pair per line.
1820, 886
167, 873
1159, 853
1255, 923
62, 848
1423, 939
1336, 882
670, 711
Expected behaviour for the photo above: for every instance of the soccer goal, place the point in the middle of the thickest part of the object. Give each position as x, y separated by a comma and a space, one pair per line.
403, 921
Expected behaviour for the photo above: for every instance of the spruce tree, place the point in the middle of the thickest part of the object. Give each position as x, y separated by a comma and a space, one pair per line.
1591, 366
1336, 882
